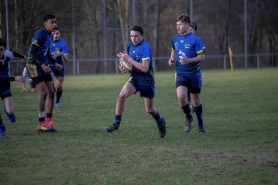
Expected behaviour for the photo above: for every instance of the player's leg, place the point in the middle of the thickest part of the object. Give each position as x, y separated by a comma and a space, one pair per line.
9, 107
41, 88
196, 100
127, 90
181, 94
59, 92
160, 120
32, 85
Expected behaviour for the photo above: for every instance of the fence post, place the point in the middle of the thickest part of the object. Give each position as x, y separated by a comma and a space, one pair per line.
116, 66
258, 61
153, 64
224, 65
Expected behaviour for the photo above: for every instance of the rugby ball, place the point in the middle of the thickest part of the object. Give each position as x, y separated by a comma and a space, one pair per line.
128, 66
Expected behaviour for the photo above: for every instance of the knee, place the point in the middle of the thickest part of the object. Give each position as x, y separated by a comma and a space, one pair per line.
196, 102
181, 97
59, 87
51, 94
121, 97
43, 95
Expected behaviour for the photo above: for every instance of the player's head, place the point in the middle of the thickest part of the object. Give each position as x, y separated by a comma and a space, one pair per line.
50, 22
136, 34
193, 27
2, 47
56, 34
183, 22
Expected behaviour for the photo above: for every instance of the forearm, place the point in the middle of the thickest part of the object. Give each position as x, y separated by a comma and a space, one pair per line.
198, 58
173, 55
144, 66
7, 79
33, 54
18, 55
64, 58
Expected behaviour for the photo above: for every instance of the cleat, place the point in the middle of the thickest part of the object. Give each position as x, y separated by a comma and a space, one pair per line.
112, 127
201, 130
58, 105
2, 130
12, 118
162, 128
51, 124
187, 126
42, 127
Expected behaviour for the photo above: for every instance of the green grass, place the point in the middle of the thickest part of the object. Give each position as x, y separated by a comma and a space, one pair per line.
240, 146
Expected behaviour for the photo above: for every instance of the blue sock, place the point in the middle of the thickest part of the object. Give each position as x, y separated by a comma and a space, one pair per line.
186, 110
58, 96
157, 117
12, 117
118, 118
199, 113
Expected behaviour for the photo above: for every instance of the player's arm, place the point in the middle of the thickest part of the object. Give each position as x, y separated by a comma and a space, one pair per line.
172, 59
144, 66
51, 59
23, 57
9, 79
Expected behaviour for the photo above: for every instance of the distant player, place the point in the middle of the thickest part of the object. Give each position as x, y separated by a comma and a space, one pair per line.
37, 65
5, 79
192, 29
187, 53
142, 79
26, 74
59, 51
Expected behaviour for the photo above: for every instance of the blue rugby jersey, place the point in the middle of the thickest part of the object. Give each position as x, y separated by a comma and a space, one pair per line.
4, 63
189, 45
141, 52
42, 39
60, 45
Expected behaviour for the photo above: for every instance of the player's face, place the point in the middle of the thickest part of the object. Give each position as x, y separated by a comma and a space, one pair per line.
56, 35
182, 27
2, 50
136, 37
50, 25
191, 30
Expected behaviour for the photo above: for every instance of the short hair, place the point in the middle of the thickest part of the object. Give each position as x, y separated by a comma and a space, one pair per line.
3, 43
58, 28
183, 18
48, 16
138, 28
193, 25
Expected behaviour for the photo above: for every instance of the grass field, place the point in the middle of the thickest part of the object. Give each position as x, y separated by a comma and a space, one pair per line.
240, 146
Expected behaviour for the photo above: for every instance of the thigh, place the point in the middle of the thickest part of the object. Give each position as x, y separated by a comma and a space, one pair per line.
128, 89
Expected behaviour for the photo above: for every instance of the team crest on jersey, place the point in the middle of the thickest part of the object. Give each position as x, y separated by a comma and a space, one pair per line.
176, 45
187, 46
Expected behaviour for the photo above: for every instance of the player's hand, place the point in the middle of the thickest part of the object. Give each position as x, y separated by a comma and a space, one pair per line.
19, 79
56, 53
184, 60
171, 62
58, 66
24, 59
124, 56
46, 69
23, 90
121, 68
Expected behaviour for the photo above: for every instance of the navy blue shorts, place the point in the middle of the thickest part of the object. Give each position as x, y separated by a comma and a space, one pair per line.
4, 93
192, 81
145, 91
57, 72
37, 73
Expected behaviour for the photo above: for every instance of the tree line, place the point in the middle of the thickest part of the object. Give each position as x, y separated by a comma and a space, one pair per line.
220, 25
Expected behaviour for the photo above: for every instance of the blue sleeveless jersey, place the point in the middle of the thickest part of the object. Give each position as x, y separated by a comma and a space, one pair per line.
62, 47
189, 45
42, 39
140, 52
